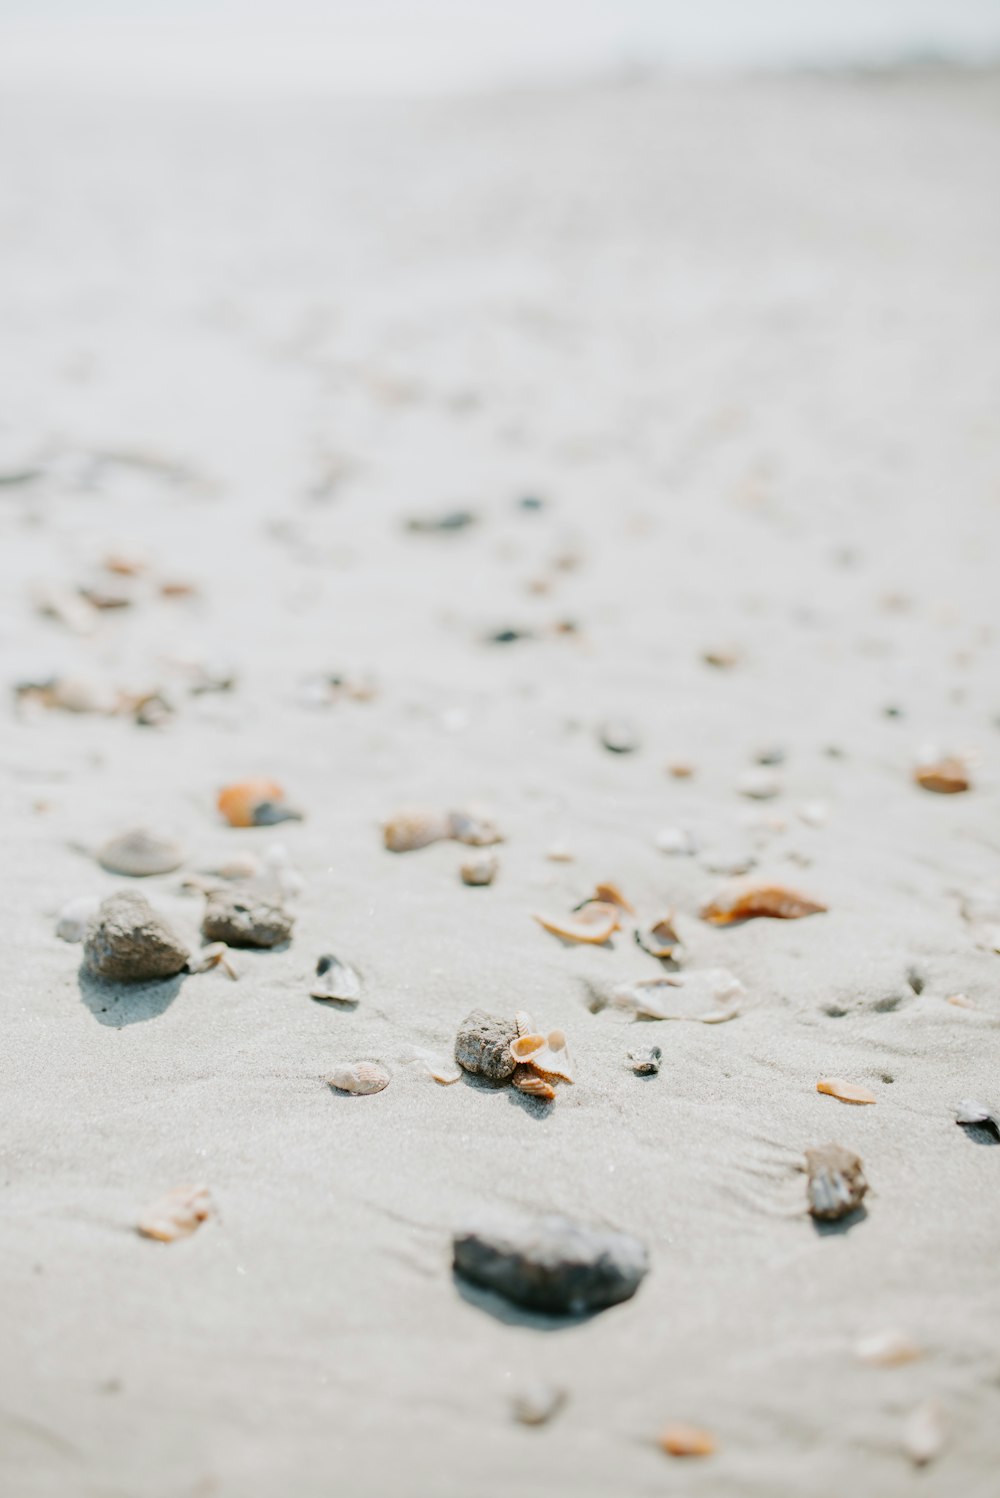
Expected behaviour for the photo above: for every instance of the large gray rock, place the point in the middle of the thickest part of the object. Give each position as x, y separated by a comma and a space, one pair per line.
551, 1264
482, 1045
242, 918
128, 942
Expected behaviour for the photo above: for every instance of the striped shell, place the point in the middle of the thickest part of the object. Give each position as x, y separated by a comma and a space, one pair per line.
361, 1077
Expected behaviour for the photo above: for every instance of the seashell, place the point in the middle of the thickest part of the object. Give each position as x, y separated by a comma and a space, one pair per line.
107, 595
361, 1077
977, 1114
744, 902
255, 803
760, 783
445, 1072
710, 995
559, 853
65, 606
645, 1060
730, 862
535, 1403
609, 894
961, 1001
523, 1023
661, 940
619, 737
336, 980
409, 830
889, 1349
947, 776
837, 1182
482, 1045
813, 813
471, 828
480, 870
78, 694
525, 1045
847, 1092
552, 1058
594, 922
680, 769
923, 1436
525, 1080
216, 954
676, 841
140, 853
176, 1215
75, 916
125, 563
723, 657
686, 1440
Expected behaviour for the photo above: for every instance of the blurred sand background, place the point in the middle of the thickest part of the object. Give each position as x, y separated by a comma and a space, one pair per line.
740, 336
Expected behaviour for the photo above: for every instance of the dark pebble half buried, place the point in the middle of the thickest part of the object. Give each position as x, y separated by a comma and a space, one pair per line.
128, 942
551, 1264
242, 919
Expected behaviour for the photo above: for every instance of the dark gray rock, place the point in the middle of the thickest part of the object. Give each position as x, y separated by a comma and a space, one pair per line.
482, 1045
128, 942
241, 918
551, 1264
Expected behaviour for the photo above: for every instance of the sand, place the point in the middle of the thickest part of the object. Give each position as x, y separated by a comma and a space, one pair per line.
742, 339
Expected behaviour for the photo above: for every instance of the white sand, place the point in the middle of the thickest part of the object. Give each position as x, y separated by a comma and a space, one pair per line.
743, 339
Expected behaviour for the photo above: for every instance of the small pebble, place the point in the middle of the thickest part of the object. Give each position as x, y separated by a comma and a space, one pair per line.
482, 869
128, 942
139, 853
618, 737
645, 1060
535, 1403
551, 1264
241, 918
760, 783
676, 841
451, 520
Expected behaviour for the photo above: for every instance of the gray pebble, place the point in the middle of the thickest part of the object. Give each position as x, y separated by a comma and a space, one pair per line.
482, 1045
128, 942
645, 1060
551, 1263
241, 918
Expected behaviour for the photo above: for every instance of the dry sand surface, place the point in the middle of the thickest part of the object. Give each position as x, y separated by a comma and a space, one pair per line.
743, 340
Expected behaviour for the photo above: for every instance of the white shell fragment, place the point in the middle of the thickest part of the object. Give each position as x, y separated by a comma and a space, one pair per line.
336, 980
760, 783
480, 869
140, 853
924, 1433
710, 995
75, 916
176, 1215
216, 954
676, 841
443, 1069
360, 1077
536, 1402
888, 1349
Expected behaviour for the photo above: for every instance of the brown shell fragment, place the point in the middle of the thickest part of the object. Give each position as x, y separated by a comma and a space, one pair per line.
947, 776
847, 1092
526, 1080
837, 1182
610, 894
255, 803
686, 1440
661, 940
594, 922
747, 901
176, 1215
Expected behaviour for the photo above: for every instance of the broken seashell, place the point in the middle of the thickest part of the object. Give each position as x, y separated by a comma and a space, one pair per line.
609, 894
645, 1060
216, 954
480, 870
594, 922
676, 841
978, 1115
889, 1349
255, 803
687, 1440
847, 1092
65, 606
336, 980
924, 1433
745, 902
360, 1077
525, 1044
661, 940
139, 854
473, 829
445, 1072
176, 1215
947, 776
525, 1080
535, 1403
619, 737
760, 783
551, 1059
710, 995
75, 916
961, 1001
837, 1182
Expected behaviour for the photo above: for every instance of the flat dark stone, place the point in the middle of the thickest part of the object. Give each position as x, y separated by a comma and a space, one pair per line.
551, 1264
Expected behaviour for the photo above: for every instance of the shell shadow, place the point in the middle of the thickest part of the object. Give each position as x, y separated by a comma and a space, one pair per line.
534, 1107
983, 1133
120, 1004
510, 1314
842, 1226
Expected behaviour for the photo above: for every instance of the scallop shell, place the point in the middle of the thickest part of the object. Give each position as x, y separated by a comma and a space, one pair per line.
255, 803
594, 922
140, 853
686, 1440
176, 1215
336, 980
847, 1092
525, 1080
360, 1077
744, 902
711, 995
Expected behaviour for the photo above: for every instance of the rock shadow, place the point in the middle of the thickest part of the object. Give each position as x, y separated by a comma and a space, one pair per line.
120, 1004
510, 1314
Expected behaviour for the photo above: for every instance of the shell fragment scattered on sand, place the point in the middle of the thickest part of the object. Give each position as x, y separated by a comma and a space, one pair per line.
216, 954
538, 1402
661, 939
336, 980
176, 1215
709, 995
847, 1092
887, 1349
924, 1434
407, 831
645, 1060
971, 1112
255, 803
677, 1439
594, 923
745, 902
947, 776
481, 869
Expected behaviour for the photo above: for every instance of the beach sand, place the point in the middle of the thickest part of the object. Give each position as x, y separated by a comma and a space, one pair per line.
741, 339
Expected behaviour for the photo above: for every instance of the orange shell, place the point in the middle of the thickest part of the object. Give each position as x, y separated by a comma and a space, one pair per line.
610, 894
525, 1080
593, 922
847, 1092
687, 1440
521, 1049
744, 902
947, 776
238, 802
